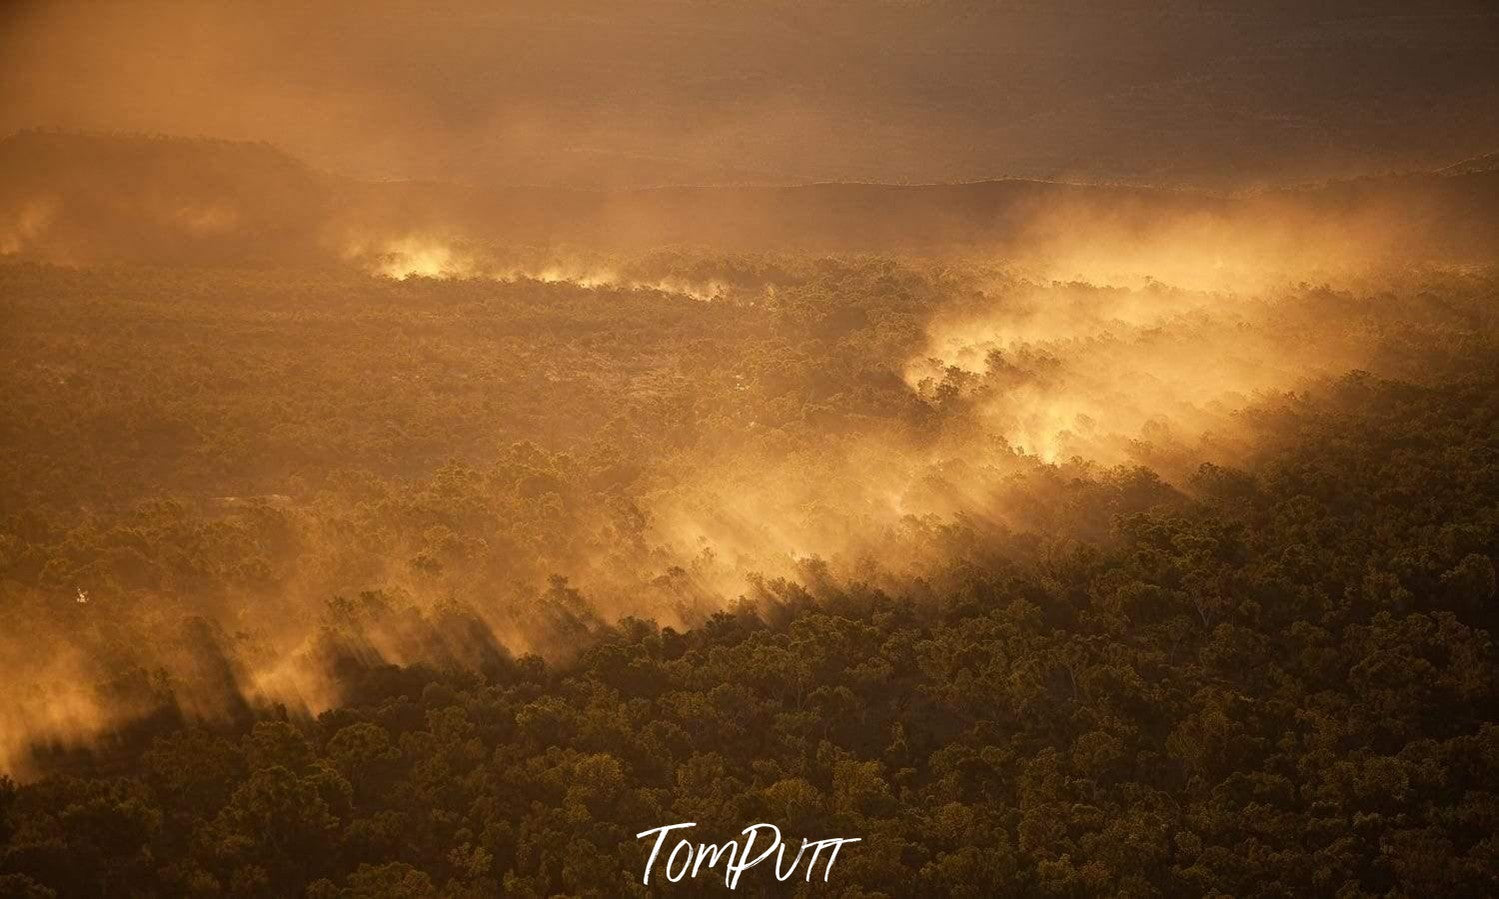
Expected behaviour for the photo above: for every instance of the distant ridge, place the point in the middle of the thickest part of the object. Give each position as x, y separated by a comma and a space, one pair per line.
157, 199
86, 198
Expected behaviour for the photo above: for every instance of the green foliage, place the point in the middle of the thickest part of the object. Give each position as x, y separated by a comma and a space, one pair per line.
1268, 680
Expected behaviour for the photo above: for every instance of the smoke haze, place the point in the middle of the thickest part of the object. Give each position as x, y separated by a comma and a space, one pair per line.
464, 382
667, 92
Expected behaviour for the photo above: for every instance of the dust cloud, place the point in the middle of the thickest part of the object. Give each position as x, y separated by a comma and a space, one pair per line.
886, 368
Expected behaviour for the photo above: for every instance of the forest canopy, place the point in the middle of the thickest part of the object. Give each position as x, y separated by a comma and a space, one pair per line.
961, 449
356, 585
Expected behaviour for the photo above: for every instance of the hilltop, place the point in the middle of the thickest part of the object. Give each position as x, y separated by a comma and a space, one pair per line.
80, 198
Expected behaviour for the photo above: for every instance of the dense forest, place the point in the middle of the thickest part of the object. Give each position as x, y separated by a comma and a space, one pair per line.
330, 584
906, 448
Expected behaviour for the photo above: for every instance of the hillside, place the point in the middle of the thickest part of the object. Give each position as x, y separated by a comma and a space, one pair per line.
944, 449
313, 583
79, 198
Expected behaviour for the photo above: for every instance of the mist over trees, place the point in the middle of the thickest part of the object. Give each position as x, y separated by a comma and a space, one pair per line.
355, 550
109, 198
1053, 446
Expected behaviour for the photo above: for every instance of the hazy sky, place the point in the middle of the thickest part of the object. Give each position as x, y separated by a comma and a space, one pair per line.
672, 90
